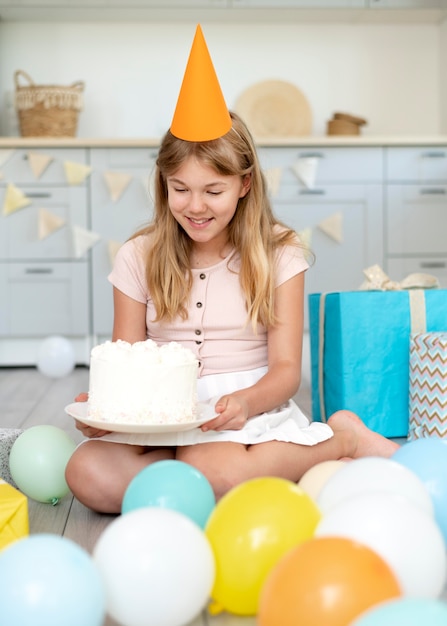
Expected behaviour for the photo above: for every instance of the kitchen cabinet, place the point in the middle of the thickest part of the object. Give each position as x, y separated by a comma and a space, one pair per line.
347, 192
416, 211
387, 204
116, 220
45, 287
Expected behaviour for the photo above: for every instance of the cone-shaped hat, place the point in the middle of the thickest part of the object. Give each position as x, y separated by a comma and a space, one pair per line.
201, 113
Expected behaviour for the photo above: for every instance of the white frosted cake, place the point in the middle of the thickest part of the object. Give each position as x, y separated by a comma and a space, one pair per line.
142, 383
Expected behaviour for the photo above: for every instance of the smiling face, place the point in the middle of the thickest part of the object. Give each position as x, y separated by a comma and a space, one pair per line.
204, 202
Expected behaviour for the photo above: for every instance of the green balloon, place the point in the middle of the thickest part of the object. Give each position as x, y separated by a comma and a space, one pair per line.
37, 463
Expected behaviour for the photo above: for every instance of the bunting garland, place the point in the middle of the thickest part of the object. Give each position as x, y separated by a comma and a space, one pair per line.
305, 169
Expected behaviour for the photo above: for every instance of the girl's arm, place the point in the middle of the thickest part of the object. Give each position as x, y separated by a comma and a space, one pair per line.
129, 321
282, 381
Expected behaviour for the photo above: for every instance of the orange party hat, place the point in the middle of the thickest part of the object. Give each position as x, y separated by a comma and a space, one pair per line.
201, 113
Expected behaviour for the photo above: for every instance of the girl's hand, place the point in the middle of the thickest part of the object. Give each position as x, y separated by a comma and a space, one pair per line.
88, 431
232, 413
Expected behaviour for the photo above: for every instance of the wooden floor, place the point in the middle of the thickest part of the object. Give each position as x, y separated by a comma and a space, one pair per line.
28, 398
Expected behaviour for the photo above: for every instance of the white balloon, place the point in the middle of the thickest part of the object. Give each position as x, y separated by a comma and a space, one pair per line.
56, 357
317, 476
158, 568
406, 537
374, 474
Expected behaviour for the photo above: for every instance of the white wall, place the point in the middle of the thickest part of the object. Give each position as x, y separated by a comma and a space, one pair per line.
389, 74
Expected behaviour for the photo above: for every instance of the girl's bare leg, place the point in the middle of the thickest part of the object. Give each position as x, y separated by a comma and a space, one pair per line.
228, 464
99, 472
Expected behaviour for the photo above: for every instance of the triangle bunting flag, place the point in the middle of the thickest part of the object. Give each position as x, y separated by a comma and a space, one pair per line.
76, 173
14, 200
332, 226
38, 163
48, 223
83, 240
116, 183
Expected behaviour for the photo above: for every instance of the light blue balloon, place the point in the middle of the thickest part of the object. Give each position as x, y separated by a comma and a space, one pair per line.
47, 580
405, 612
172, 485
427, 458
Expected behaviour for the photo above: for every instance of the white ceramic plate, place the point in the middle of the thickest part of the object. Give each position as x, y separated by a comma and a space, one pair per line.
79, 410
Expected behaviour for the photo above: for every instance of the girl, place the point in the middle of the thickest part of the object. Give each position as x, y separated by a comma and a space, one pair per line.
218, 273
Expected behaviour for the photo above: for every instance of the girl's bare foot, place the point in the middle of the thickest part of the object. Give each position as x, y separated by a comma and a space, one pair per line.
361, 440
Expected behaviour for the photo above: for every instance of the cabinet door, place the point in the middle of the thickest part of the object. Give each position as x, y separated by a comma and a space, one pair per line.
19, 231
331, 165
116, 220
424, 164
338, 265
399, 268
40, 299
416, 220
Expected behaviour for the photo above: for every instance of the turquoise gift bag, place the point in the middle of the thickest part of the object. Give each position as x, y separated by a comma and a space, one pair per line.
360, 346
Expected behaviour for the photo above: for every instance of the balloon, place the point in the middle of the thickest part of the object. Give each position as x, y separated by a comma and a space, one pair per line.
316, 477
405, 612
172, 485
250, 529
157, 566
325, 581
47, 580
37, 462
408, 539
427, 458
56, 357
374, 474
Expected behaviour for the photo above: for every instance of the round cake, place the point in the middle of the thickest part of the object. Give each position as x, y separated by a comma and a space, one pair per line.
142, 383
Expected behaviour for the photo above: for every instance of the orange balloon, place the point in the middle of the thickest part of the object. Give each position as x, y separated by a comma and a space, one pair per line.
325, 581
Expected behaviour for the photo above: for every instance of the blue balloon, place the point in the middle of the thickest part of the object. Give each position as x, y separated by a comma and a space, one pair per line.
427, 458
405, 612
47, 580
172, 485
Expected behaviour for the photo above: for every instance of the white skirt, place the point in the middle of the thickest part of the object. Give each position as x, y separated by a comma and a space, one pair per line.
286, 423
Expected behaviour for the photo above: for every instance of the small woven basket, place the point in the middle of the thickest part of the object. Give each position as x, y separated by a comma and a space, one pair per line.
47, 110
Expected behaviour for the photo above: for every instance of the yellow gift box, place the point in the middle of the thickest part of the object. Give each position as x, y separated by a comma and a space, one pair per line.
14, 520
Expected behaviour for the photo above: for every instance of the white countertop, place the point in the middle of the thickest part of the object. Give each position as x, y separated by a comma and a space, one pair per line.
311, 140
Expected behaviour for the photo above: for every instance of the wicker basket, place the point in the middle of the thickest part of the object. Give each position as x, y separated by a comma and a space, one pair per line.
47, 110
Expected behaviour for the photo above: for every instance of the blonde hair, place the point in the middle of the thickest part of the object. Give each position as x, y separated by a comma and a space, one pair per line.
251, 231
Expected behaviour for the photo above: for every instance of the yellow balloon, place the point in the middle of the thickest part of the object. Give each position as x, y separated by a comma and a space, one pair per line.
249, 530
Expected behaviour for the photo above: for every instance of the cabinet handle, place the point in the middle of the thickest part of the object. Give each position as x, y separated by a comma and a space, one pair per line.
38, 194
312, 192
311, 155
434, 191
434, 154
430, 265
38, 270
